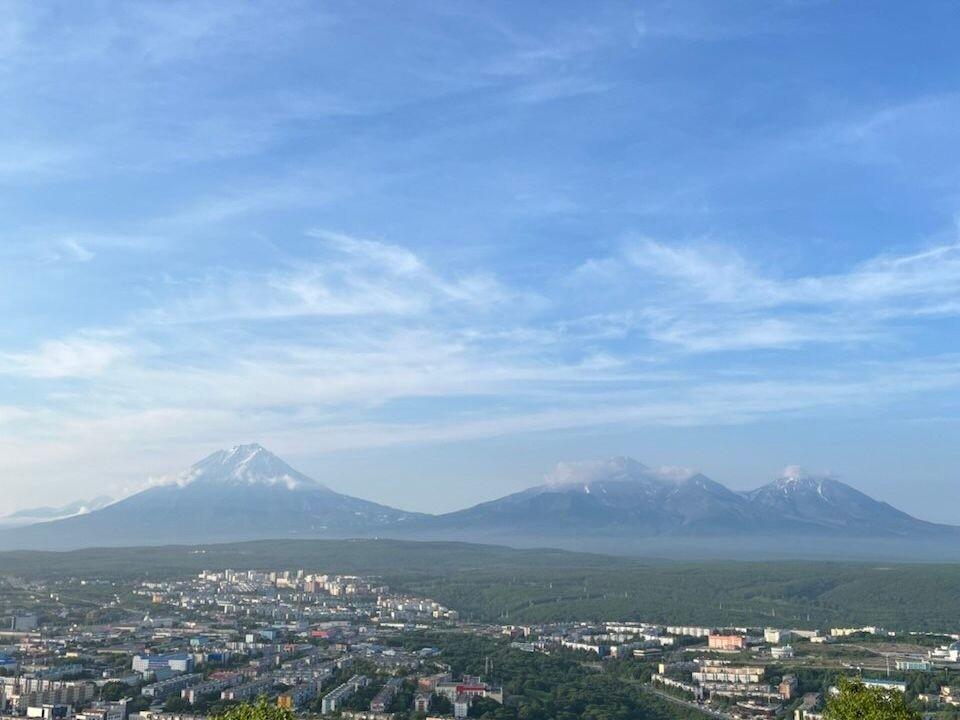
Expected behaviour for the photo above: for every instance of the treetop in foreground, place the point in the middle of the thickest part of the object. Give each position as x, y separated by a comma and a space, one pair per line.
262, 709
856, 701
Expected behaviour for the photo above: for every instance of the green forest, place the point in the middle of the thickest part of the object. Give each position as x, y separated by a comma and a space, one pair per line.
544, 687
498, 584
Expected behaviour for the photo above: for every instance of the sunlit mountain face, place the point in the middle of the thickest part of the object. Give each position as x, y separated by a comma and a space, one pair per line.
246, 492
241, 493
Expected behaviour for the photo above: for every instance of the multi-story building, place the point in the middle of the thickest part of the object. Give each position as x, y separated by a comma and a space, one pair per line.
297, 696
461, 706
946, 653
19, 693
178, 662
787, 687
428, 684
470, 686
909, 664
595, 648
689, 631
808, 709
886, 684
661, 679
421, 703
712, 671
22, 623
105, 711
210, 687
334, 699
866, 629
382, 699
726, 642
151, 715
775, 636
247, 691
175, 685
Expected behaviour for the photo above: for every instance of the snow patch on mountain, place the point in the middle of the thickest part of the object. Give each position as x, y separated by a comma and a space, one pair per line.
245, 465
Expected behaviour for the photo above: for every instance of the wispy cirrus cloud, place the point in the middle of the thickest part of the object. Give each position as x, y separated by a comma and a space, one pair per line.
74, 357
163, 165
344, 276
707, 296
389, 349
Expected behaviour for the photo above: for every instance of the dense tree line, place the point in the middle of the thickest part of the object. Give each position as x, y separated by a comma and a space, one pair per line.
504, 585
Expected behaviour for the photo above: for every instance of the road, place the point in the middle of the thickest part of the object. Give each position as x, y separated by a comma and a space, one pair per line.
686, 703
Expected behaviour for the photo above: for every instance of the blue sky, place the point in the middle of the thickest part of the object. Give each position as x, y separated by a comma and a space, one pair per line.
426, 250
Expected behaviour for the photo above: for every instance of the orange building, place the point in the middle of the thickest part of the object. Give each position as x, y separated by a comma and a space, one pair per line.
726, 642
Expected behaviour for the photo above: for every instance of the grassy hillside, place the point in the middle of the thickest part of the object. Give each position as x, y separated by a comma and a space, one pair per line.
506, 585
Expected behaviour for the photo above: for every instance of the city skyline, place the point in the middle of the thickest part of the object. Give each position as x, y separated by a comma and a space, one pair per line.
426, 253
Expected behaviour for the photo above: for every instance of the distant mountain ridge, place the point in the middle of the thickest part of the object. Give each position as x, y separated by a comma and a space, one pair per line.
247, 493
623, 497
26, 516
74, 508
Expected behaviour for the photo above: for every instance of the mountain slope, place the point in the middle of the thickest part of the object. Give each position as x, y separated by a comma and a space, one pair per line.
622, 498
41, 514
828, 504
617, 505
241, 493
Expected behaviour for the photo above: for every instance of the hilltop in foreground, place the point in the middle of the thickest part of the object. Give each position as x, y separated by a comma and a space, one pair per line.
617, 505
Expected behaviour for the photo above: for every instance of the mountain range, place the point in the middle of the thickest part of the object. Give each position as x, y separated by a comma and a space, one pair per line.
247, 493
27, 516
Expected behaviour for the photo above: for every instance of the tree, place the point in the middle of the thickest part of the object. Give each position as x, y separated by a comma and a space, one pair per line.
115, 690
176, 704
856, 701
262, 709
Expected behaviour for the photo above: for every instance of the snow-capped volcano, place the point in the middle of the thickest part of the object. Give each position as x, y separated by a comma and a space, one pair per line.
825, 502
242, 493
245, 465
246, 493
621, 497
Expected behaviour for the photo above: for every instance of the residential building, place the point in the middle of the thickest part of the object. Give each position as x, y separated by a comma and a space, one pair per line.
297, 696
689, 631
248, 691
787, 687
712, 671
775, 636
19, 693
809, 708
174, 686
470, 686
727, 642
421, 703
105, 711
210, 687
908, 664
178, 662
334, 699
886, 684
382, 699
